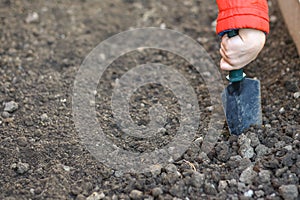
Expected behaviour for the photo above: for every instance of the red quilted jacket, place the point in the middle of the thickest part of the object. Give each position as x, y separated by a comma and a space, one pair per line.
234, 14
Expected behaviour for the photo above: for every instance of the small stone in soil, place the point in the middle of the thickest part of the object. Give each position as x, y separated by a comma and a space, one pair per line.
11, 106
32, 17
296, 95
210, 189
44, 117
280, 171
222, 185
21, 168
261, 150
136, 194
171, 168
249, 193
288, 192
5, 114
290, 86
247, 175
96, 196
264, 176
155, 169
259, 193
157, 191
197, 179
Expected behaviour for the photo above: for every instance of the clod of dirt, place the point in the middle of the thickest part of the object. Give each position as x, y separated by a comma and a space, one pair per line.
136, 194
11, 106
245, 150
261, 150
197, 179
210, 188
20, 168
222, 185
171, 168
155, 169
223, 152
288, 192
248, 175
291, 86
5, 114
44, 117
157, 191
264, 176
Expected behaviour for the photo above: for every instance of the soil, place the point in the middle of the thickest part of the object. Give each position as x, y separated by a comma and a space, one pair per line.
43, 44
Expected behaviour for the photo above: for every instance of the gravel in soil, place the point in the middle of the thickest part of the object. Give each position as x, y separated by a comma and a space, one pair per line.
41, 156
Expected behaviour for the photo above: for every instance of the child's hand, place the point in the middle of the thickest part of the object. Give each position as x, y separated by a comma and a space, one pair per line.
240, 50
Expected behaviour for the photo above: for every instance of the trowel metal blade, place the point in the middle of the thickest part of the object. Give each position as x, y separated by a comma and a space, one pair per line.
242, 108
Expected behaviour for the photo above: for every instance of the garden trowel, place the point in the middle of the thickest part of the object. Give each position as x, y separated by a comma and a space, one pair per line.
241, 100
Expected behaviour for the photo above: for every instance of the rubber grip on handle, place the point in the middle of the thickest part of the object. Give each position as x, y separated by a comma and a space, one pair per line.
238, 74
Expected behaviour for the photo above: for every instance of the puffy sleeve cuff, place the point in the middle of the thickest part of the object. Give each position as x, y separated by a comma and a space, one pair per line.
236, 14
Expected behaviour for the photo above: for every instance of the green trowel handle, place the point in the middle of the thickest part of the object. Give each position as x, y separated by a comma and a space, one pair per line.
235, 75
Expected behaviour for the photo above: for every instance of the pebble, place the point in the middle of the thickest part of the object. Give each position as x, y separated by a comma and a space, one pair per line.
242, 186
155, 169
210, 108
254, 139
32, 17
44, 117
296, 95
281, 110
232, 183
222, 185
136, 194
268, 126
80, 197
157, 191
273, 18
291, 86
288, 147
245, 150
264, 176
222, 151
261, 150
66, 168
280, 171
96, 196
31, 191
210, 188
279, 144
22, 141
5, 114
197, 179
249, 193
288, 192
247, 175
21, 168
189, 106
288, 159
11, 106
259, 193
171, 168
214, 23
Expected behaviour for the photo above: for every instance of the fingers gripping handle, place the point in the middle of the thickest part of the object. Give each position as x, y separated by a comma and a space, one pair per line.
235, 75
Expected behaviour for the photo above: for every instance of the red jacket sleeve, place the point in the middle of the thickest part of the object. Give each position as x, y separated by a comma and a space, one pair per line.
234, 14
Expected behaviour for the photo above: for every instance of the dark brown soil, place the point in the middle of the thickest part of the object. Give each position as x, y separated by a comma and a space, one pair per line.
41, 156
